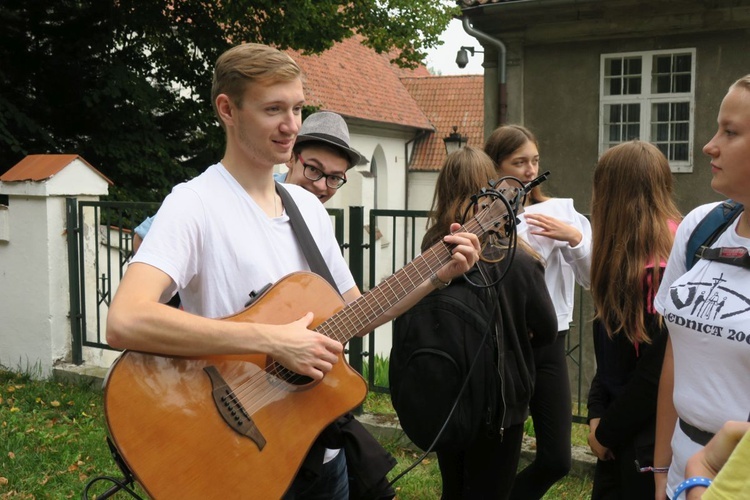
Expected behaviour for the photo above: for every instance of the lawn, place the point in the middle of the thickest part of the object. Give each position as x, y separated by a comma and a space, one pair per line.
53, 442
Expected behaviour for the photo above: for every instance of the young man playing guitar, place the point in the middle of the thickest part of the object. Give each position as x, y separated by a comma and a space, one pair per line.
225, 234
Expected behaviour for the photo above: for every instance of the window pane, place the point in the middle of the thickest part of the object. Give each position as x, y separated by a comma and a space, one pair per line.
663, 84
681, 111
622, 123
614, 134
633, 66
682, 83
633, 113
681, 131
623, 76
661, 133
614, 67
614, 86
661, 112
680, 152
670, 132
663, 64
682, 63
634, 86
633, 132
671, 73
615, 113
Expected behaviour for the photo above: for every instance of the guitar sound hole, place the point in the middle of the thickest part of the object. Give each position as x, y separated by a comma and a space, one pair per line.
289, 376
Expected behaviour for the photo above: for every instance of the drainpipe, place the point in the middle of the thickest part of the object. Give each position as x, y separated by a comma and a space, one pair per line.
498, 114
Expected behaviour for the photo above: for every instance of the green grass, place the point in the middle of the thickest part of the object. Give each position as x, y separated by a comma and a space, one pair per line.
53, 442
424, 481
52, 438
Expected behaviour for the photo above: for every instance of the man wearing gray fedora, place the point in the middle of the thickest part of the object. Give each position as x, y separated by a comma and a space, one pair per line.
322, 155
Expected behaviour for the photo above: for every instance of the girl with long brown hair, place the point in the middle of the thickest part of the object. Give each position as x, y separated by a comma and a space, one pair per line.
485, 468
634, 218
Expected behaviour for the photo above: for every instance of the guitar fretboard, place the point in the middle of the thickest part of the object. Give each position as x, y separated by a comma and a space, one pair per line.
359, 314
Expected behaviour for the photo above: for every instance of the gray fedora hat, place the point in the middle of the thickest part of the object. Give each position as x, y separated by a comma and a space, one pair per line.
331, 129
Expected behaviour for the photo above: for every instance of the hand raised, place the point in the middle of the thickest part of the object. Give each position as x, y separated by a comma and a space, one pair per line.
544, 225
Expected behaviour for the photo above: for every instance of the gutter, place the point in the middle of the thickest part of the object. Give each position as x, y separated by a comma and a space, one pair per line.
496, 110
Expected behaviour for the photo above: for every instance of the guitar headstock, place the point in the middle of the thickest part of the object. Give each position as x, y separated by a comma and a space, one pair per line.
493, 216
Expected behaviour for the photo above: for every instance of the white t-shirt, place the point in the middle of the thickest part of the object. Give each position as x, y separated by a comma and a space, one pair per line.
217, 245
564, 265
707, 310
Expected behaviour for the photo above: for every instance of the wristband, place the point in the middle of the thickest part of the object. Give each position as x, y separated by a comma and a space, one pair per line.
438, 283
655, 470
690, 483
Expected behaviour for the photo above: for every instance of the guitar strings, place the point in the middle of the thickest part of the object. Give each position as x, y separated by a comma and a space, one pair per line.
256, 392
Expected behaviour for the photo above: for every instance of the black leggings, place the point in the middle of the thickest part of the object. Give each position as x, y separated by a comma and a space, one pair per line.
551, 411
485, 470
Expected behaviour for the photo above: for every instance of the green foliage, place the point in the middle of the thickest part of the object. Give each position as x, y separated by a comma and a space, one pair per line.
126, 84
381, 371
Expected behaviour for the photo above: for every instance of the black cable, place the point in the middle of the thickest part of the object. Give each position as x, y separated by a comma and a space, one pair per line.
120, 484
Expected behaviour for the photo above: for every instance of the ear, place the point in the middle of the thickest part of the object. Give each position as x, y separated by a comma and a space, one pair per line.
225, 109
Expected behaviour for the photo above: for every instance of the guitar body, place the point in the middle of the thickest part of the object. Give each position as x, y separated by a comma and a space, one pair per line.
166, 421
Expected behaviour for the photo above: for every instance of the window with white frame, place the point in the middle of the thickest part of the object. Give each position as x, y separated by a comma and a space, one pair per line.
649, 96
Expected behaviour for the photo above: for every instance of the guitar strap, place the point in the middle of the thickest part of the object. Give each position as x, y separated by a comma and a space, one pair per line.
367, 461
309, 247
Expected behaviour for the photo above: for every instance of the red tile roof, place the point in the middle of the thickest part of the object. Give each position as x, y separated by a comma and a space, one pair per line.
42, 167
355, 81
447, 101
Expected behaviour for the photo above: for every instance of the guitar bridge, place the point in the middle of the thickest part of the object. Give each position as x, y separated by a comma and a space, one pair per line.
231, 409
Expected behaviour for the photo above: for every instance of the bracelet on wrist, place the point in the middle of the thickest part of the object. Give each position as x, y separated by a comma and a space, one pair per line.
655, 470
438, 283
691, 483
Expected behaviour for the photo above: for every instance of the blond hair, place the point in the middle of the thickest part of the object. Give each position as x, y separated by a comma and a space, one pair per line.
250, 63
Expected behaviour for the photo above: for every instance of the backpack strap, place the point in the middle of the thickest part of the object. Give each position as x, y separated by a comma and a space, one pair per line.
709, 229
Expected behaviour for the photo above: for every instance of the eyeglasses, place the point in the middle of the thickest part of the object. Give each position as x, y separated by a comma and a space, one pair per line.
315, 174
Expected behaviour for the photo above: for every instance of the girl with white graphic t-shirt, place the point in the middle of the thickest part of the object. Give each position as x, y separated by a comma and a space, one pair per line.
707, 311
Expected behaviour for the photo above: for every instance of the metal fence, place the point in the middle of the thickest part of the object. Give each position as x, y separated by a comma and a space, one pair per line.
100, 243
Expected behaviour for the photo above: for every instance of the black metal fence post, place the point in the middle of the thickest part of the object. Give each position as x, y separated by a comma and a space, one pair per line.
356, 265
72, 230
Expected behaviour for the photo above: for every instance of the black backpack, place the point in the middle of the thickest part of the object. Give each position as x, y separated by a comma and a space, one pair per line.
435, 344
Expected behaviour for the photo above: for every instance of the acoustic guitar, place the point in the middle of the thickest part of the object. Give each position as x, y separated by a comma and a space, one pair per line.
240, 426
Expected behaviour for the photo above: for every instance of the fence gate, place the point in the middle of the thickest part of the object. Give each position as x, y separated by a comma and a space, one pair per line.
100, 241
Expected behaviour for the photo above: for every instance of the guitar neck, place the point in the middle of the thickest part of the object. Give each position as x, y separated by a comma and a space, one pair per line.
354, 319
